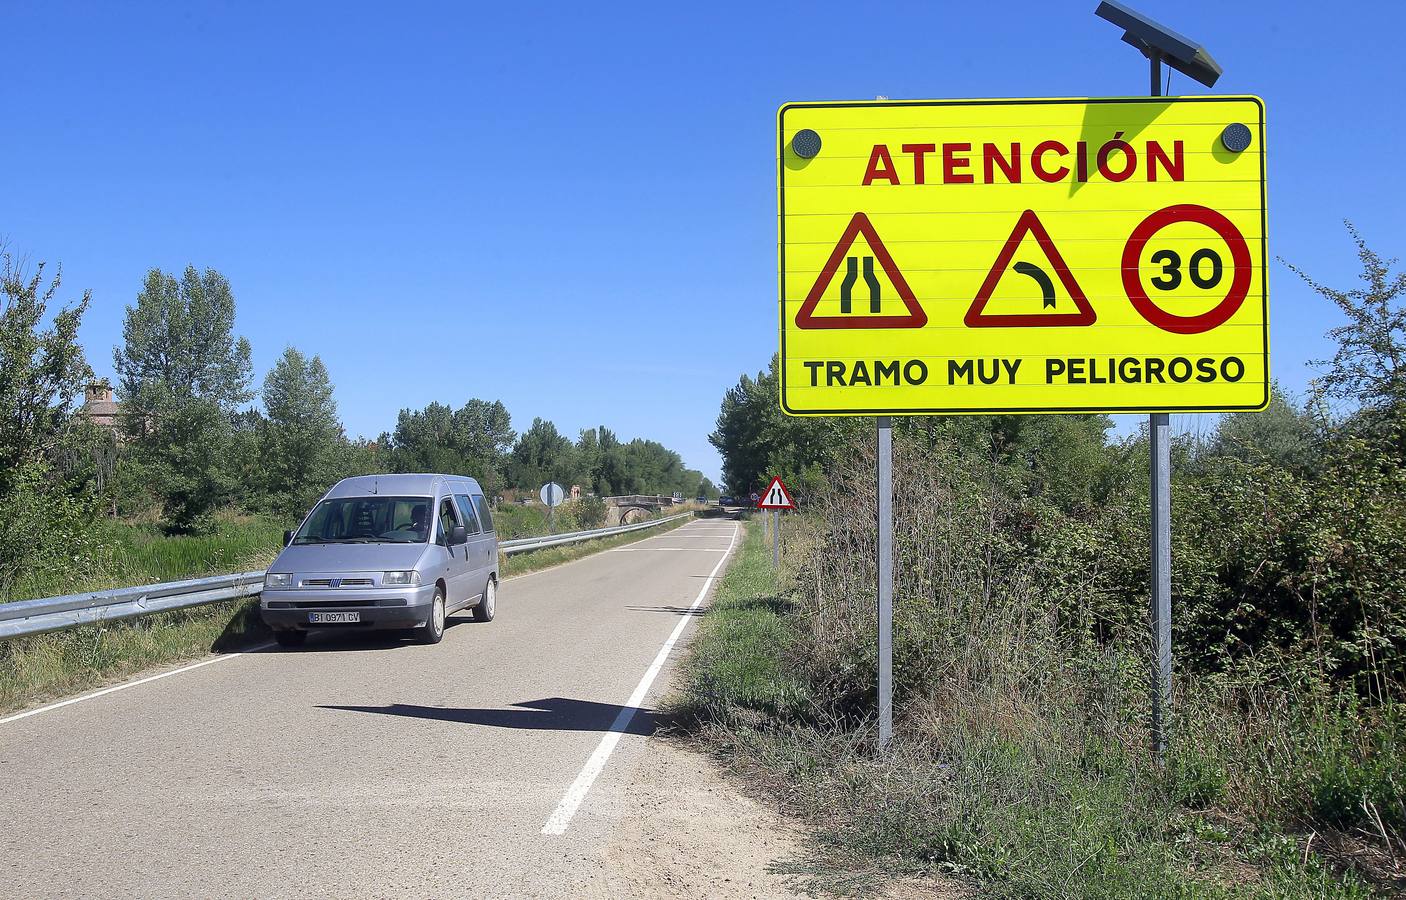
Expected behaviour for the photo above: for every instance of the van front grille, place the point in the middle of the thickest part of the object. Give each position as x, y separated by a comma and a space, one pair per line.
336, 604
341, 582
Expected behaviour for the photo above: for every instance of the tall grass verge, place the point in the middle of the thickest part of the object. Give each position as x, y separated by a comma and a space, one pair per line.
1021, 759
139, 553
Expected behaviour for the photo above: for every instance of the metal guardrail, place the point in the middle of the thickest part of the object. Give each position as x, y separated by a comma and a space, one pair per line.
551, 540
56, 613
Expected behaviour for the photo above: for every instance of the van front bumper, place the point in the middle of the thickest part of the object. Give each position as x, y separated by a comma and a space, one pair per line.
378, 608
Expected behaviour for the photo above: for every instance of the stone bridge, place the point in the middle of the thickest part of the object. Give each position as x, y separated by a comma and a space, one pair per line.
634, 507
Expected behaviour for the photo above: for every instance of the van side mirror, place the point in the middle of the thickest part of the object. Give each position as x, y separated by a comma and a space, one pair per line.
458, 535
287, 538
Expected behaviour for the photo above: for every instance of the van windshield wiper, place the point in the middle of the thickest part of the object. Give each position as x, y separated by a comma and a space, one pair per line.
323, 540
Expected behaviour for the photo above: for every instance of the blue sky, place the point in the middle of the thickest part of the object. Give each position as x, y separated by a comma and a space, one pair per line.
571, 207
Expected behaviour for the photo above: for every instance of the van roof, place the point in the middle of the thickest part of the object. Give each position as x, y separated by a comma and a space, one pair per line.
407, 485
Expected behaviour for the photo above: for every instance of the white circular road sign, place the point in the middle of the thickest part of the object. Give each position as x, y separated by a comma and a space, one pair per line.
552, 494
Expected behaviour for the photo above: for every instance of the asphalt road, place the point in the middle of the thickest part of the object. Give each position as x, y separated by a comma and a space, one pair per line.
375, 768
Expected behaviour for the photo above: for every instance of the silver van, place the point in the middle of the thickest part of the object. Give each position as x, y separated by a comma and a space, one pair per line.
385, 551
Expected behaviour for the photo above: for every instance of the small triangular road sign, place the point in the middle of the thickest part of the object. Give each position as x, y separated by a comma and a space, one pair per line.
776, 496
861, 226
1029, 223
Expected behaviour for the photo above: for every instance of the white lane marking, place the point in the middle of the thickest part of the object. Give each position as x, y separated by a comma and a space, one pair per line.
131, 684
571, 800
646, 549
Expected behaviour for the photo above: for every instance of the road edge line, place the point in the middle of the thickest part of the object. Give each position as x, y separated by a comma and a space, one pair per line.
131, 684
575, 795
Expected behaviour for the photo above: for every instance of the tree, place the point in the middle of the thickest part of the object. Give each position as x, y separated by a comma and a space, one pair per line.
1369, 367
757, 440
183, 376
298, 440
648, 467
1282, 434
472, 440
543, 454
178, 343
610, 475
43, 517
42, 370
589, 458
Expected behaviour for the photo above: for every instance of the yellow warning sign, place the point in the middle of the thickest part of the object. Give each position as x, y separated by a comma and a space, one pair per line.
1023, 256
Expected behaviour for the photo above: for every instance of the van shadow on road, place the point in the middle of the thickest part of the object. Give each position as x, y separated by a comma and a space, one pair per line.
676, 610
549, 714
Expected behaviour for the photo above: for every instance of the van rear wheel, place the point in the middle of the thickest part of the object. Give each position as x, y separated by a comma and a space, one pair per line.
433, 630
485, 609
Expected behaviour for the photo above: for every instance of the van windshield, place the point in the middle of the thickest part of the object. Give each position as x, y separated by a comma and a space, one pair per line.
368, 520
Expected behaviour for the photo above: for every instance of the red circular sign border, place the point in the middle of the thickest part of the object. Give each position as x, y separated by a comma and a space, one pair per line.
1239, 255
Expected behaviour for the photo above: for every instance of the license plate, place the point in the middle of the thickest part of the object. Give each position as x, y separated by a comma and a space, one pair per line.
333, 618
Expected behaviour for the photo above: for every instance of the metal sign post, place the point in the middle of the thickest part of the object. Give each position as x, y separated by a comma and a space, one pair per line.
1161, 44
1159, 435
552, 494
775, 499
885, 510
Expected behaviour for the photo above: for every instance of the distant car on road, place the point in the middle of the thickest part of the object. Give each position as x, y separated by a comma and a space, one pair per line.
726, 501
385, 552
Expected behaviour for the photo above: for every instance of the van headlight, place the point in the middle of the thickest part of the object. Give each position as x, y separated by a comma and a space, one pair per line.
408, 579
275, 581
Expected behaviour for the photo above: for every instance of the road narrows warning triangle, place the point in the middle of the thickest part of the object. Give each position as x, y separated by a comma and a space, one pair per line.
1029, 223
861, 226
776, 496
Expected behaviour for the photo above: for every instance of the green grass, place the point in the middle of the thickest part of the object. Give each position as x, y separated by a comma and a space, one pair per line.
133, 554
737, 668
1014, 802
146, 555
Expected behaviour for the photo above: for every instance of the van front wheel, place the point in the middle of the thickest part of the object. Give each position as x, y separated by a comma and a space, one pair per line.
433, 629
484, 611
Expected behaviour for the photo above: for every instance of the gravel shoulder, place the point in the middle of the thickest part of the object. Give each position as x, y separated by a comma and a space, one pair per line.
687, 832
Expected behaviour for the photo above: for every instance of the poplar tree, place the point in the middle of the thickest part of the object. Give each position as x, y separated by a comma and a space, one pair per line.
183, 375
300, 436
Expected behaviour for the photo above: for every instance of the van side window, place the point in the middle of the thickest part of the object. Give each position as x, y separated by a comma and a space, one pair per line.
485, 515
466, 512
446, 520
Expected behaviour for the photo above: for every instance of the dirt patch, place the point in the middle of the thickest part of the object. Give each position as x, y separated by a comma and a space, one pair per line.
687, 831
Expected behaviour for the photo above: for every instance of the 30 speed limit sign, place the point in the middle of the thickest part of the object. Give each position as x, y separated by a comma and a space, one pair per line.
1023, 256
1205, 269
